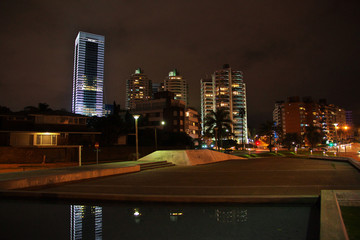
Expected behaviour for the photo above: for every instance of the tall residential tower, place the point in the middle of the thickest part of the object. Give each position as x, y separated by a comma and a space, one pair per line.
88, 78
177, 84
138, 89
226, 90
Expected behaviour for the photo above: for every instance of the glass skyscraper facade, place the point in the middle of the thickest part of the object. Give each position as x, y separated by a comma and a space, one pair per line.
88, 78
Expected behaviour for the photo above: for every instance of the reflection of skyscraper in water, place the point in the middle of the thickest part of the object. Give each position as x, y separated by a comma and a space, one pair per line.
231, 215
86, 222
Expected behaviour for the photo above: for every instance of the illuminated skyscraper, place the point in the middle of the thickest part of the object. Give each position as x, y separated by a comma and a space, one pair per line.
177, 84
88, 78
207, 99
226, 89
138, 89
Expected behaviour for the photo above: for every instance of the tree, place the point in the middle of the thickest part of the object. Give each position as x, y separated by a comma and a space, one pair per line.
313, 135
218, 124
291, 139
111, 126
44, 107
269, 129
41, 108
4, 109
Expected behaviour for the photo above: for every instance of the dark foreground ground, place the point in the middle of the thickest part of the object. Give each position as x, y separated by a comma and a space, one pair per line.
264, 176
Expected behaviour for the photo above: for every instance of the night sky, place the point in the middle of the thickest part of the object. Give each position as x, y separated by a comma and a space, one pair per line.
284, 48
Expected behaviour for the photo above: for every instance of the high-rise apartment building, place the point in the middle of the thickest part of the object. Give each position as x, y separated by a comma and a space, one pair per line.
192, 123
207, 99
88, 77
157, 87
296, 114
226, 90
138, 89
277, 113
177, 84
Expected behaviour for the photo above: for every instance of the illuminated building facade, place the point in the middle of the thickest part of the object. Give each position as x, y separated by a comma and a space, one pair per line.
192, 123
157, 87
178, 85
207, 99
138, 89
88, 76
294, 115
163, 108
227, 90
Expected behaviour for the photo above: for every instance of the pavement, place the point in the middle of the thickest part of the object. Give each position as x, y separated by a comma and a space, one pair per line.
260, 180
233, 180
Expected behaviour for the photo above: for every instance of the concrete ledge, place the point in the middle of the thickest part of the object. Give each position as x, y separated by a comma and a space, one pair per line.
23, 180
348, 198
353, 162
331, 222
293, 199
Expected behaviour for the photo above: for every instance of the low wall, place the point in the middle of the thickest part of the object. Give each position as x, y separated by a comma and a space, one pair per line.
21, 155
37, 154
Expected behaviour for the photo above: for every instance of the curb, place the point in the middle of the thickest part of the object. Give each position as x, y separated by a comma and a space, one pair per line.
35, 181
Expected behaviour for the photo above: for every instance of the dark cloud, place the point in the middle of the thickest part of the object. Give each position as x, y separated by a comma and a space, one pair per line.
306, 48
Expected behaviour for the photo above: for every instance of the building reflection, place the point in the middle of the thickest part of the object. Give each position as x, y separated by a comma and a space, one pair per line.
174, 216
86, 222
231, 215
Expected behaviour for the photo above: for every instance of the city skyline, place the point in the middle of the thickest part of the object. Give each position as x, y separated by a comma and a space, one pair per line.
283, 48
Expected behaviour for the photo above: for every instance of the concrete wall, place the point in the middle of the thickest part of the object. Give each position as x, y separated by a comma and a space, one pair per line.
36, 155
189, 157
66, 154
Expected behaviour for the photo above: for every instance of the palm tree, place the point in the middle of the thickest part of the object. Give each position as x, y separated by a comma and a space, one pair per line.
313, 135
269, 129
219, 124
291, 139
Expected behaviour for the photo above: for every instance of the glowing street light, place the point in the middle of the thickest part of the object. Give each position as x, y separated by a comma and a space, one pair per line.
336, 128
137, 137
346, 135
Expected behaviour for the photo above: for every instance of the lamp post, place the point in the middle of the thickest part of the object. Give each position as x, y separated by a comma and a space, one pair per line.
156, 146
137, 137
346, 138
216, 139
242, 114
336, 138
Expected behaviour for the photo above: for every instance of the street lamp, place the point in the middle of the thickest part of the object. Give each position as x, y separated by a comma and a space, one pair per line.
156, 146
346, 136
136, 133
242, 114
216, 138
336, 127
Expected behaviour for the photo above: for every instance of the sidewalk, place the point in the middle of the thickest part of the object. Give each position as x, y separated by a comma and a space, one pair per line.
16, 180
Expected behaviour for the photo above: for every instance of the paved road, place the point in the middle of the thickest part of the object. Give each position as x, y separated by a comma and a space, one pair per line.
265, 176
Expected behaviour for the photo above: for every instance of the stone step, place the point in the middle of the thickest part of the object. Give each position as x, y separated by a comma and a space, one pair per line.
153, 165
